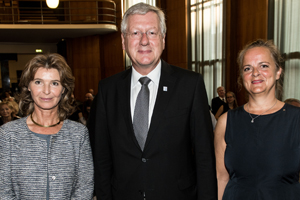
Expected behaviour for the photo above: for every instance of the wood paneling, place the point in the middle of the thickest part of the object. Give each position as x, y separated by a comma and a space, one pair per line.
93, 58
83, 11
112, 60
246, 21
176, 39
83, 56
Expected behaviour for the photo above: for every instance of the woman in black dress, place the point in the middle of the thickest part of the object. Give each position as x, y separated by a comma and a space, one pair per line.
258, 144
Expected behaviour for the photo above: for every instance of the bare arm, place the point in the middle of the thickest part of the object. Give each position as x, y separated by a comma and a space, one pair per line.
219, 113
220, 146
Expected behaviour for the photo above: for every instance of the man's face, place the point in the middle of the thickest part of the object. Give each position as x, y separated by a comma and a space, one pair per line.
221, 92
144, 52
89, 96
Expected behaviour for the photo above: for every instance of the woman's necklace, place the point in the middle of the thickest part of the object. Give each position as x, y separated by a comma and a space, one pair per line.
252, 121
43, 125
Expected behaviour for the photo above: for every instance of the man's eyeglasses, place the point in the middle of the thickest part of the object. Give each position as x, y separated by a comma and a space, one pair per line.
138, 34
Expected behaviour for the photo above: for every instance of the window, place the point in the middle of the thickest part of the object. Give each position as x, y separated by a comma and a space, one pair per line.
206, 48
284, 29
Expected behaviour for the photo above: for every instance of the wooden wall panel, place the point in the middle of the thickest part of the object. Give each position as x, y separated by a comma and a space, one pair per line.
176, 39
246, 21
83, 56
112, 59
83, 11
93, 58
112, 54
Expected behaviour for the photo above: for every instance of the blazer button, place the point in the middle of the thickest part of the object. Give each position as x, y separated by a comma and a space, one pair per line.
144, 160
53, 178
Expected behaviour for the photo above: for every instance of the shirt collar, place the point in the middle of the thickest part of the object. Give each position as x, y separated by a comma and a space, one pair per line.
154, 75
222, 98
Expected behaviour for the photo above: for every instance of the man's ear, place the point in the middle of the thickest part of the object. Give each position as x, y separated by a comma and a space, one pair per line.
123, 41
164, 41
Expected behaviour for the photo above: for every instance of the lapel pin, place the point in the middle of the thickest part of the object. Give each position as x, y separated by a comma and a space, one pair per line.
165, 88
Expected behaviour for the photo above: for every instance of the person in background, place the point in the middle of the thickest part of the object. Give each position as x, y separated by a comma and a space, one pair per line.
86, 110
92, 92
6, 112
213, 120
44, 155
230, 104
218, 101
15, 109
293, 101
77, 113
89, 96
8, 97
262, 137
153, 132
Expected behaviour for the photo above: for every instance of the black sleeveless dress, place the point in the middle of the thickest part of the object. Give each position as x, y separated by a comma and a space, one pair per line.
263, 158
225, 108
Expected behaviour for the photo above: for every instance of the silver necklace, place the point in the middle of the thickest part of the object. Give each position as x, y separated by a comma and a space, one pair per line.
252, 119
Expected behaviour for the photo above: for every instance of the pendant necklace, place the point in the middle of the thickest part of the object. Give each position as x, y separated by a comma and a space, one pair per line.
253, 118
43, 125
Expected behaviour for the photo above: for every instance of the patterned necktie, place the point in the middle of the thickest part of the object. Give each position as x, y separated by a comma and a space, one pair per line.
141, 113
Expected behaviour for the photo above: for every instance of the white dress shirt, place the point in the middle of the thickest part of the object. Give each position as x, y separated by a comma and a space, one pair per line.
136, 86
223, 98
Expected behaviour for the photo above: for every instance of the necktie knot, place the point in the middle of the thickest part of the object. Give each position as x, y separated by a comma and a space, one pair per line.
144, 80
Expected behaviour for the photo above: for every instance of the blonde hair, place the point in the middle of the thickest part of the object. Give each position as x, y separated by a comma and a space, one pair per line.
10, 106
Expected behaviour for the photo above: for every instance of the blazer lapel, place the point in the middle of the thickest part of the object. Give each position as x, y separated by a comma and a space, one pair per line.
164, 93
123, 96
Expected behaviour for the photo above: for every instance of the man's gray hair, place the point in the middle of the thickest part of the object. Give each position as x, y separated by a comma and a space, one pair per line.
220, 87
142, 9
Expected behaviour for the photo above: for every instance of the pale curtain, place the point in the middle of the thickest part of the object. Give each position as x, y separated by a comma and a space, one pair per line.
286, 35
206, 54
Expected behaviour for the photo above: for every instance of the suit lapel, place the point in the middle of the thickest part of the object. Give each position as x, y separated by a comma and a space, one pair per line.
164, 93
123, 96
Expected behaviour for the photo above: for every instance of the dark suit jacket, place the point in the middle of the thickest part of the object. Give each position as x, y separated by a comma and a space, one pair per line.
216, 103
178, 160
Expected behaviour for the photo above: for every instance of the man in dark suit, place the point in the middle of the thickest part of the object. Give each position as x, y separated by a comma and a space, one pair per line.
175, 159
218, 101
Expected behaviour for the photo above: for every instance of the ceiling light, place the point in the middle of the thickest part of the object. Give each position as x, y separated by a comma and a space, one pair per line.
52, 3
